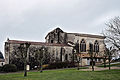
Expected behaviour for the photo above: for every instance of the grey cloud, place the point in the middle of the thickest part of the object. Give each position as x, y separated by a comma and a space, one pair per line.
32, 19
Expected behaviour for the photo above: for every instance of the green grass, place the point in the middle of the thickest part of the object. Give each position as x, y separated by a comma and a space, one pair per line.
65, 74
117, 64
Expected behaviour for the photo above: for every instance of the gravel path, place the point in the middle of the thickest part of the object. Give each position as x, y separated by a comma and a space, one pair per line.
99, 68
90, 69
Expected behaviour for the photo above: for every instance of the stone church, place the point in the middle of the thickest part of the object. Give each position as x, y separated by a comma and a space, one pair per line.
60, 45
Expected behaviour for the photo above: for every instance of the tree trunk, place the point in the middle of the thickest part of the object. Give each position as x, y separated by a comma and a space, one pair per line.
109, 63
78, 65
25, 70
105, 62
73, 56
92, 65
81, 61
41, 66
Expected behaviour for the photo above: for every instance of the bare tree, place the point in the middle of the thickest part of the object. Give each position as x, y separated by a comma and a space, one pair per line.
112, 32
93, 54
24, 49
40, 58
105, 56
76, 53
43, 57
78, 61
110, 52
40, 53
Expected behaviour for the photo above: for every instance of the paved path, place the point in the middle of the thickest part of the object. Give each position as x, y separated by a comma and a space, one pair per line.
99, 68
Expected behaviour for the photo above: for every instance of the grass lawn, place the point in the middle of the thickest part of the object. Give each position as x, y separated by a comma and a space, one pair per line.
65, 74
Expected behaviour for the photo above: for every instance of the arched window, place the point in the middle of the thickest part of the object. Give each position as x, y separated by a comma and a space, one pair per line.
66, 57
77, 47
96, 46
51, 41
82, 46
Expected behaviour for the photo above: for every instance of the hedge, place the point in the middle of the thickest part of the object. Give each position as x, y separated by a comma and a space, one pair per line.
9, 68
57, 65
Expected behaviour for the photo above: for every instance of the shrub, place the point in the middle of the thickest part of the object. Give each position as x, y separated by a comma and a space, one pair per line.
57, 65
9, 68
19, 63
45, 66
0, 68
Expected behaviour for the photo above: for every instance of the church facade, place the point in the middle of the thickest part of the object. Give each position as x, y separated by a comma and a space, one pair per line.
60, 46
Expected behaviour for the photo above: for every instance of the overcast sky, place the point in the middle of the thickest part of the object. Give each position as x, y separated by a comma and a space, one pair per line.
33, 19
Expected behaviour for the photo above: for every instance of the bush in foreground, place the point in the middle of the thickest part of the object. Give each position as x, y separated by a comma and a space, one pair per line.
0, 68
9, 68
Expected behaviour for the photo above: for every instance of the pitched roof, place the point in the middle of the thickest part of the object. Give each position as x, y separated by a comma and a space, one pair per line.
34, 43
80, 34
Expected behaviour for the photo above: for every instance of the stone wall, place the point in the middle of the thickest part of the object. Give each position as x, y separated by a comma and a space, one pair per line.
12, 52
